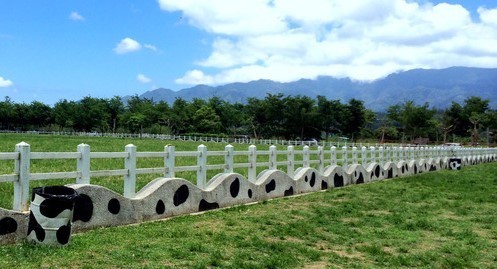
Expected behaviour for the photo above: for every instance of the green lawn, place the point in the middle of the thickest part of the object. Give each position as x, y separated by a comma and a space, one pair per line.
443, 219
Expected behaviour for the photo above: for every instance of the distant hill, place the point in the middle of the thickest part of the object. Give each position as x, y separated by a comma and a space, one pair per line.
439, 87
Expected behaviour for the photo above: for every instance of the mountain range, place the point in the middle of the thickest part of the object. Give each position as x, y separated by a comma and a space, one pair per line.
438, 87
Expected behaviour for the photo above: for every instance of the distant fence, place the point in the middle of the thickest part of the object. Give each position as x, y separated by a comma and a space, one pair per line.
319, 158
201, 139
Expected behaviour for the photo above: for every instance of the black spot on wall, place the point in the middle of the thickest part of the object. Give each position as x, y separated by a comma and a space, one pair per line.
204, 205
415, 169
360, 180
407, 168
338, 181
235, 187
372, 174
51, 208
324, 185
114, 206
160, 208
403, 170
377, 171
8, 225
63, 234
271, 186
36, 227
289, 192
83, 208
306, 179
433, 168
181, 195
390, 173
249, 193
313, 180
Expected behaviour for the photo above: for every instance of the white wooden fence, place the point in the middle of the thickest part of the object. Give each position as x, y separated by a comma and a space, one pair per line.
319, 158
238, 140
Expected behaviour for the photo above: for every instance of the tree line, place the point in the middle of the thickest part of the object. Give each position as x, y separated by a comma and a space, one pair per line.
275, 116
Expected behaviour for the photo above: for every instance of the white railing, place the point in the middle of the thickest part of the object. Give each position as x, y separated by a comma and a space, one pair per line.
201, 139
319, 158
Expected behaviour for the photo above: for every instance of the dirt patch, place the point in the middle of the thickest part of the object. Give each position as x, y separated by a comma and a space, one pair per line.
315, 265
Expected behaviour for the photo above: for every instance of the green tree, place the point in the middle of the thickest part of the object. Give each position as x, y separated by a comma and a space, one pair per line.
355, 118
330, 114
415, 121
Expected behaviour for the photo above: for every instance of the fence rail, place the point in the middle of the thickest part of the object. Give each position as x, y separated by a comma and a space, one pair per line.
202, 139
320, 158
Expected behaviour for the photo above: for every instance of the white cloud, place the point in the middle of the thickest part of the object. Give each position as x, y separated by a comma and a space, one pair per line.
143, 79
127, 45
4, 83
150, 47
75, 16
286, 40
194, 77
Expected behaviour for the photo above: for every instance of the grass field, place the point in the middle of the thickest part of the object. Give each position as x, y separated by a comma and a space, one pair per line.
443, 219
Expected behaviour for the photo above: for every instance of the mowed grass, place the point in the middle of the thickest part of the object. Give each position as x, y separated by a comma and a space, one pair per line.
443, 219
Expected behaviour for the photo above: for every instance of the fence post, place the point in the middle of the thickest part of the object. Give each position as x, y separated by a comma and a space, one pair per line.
21, 185
130, 177
306, 156
252, 159
333, 155
345, 157
272, 158
169, 161
364, 156
290, 167
373, 154
354, 155
228, 159
83, 164
202, 166
321, 159
380, 155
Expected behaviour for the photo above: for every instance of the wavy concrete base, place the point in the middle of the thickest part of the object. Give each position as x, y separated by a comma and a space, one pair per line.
97, 206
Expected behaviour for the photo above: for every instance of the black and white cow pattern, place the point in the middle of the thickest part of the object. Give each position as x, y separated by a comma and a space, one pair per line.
51, 214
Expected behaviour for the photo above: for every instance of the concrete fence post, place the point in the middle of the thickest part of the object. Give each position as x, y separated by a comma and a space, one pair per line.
381, 156
169, 161
21, 185
228, 159
345, 157
290, 167
130, 177
373, 154
83, 164
364, 156
333, 155
321, 159
354, 155
272, 157
306, 157
252, 159
201, 166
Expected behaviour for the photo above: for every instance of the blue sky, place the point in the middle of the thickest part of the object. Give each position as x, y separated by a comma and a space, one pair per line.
67, 49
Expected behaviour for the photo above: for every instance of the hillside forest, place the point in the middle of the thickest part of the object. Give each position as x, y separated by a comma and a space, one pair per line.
275, 116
